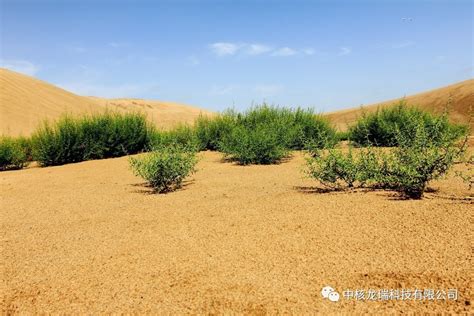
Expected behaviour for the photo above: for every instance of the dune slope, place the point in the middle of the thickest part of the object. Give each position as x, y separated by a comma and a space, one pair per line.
25, 102
461, 95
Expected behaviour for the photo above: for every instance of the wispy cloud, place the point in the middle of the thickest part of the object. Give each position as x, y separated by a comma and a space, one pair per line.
345, 51
257, 49
228, 48
21, 66
284, 51
224, 48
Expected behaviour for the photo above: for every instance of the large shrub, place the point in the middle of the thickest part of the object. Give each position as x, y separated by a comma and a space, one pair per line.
259, 145
211, 130
183, 136
381, 127
407, 168
14, 153
295, 127
166, 168
90, 137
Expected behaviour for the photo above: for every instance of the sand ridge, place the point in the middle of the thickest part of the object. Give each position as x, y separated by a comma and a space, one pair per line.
89, 237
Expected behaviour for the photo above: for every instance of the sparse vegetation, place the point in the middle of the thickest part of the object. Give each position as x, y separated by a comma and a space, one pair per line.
166, 168
13, 153
381, 127
407, 168
90, 137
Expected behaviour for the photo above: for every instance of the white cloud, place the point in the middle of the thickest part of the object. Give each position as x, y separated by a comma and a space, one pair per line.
110, 91
284, 51
253, 49
266, 90
222, 48
345, 51
257, 49
21, 66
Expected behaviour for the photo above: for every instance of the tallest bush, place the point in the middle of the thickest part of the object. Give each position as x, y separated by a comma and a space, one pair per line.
90, 137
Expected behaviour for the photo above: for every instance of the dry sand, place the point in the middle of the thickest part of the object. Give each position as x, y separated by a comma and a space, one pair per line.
435, 101
25, 102
89, 237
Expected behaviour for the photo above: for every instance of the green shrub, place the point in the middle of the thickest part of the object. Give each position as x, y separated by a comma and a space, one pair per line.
166, 168
333, 168
260, 145
90, 137
211, 130
407, 168
183, 136
381, 127
13, 153
294, 128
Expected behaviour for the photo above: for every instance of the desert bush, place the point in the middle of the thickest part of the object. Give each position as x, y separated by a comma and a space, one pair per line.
333, 168
407, 168
13, 153
260, 145
166, 168
294, 128
468, 176
381, 127
183, 136
211, 130
90, 137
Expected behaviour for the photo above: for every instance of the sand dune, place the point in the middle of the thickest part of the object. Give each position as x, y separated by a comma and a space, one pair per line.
461, 94
25, 102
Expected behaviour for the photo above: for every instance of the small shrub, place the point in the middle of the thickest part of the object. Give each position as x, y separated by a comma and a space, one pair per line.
13, 153
261, 145
381, 127
333, 168
408, 168
90, 137
166, 168
468, 176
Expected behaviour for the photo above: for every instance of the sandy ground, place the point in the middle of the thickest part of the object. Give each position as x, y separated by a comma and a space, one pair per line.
89, 237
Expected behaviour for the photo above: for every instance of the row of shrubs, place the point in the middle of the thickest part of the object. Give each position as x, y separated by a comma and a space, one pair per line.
261, 135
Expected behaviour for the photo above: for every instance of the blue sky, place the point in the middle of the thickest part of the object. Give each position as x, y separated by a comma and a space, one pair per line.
216, 54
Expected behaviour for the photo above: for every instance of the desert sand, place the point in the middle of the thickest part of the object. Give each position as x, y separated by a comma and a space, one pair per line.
460, 110
90, 238
25, 102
